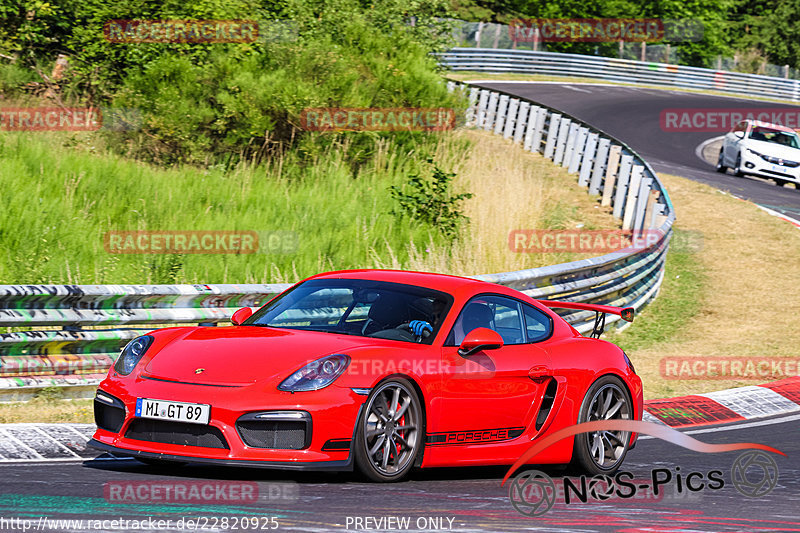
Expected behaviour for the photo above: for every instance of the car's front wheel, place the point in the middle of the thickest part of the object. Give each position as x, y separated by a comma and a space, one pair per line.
738, 168
721, 163
602, 452
389, 437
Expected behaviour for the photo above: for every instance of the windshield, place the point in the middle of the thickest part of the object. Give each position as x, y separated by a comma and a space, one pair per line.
358, 307
785, 138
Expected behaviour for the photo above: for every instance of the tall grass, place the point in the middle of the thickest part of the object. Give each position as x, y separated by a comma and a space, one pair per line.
59, 202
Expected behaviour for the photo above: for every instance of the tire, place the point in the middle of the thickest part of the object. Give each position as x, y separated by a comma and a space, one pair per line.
720, 166
395, 447
602, 452
737, 170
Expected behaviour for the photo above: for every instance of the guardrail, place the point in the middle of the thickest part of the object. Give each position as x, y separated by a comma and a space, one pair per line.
618, 70
76, 359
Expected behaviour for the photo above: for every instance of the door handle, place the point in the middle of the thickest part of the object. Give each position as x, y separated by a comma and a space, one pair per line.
539, 372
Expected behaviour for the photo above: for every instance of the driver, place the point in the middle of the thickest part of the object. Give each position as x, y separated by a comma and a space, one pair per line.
420, 327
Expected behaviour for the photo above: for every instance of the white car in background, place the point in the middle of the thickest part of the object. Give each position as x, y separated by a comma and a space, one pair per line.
762, 149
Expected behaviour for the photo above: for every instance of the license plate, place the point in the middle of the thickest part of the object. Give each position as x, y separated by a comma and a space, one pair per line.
777, 168
194, 413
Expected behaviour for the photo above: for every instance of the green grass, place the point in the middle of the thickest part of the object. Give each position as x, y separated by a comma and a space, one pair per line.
59, 201
678, 301
47, 409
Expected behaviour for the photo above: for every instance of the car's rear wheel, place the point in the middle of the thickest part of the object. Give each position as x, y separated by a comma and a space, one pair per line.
738, 168
389, 437
602, 452
720, 163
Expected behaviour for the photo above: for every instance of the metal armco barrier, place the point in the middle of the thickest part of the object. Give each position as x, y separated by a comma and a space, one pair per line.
76, 359
608, 169
618, 70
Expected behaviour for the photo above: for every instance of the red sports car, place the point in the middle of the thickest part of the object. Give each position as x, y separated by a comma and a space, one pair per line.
374, 369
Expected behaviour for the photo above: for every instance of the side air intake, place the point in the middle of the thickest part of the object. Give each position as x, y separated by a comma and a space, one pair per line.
547, 404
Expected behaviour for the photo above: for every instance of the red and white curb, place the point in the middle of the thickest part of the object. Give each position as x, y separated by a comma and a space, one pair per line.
790, 220
731, 405
45, 442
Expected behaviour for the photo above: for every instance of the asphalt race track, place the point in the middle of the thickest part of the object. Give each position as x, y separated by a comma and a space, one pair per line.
632, 115
436, 500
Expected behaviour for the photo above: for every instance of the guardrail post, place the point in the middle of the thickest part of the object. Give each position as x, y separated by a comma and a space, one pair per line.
552, 132
541, 118
641, 203
569, 146
523, 119
472, 109
578, 150
533, 121
561, 140
589, 156
491, 112
626, 162
483, 103
611, 174
502, 114
659, 216
600, 159
511, 118
633, 193
652, 198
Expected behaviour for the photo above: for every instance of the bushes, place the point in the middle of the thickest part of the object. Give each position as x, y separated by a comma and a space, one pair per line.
224, 102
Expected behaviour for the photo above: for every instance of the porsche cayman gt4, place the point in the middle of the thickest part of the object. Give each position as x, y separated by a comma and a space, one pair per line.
382, 371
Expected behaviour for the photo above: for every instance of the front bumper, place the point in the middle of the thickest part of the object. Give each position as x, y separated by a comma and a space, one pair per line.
756, 165
333, 414
331, 466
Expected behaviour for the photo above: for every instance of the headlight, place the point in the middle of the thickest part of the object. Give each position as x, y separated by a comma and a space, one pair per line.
316, 374
132, 353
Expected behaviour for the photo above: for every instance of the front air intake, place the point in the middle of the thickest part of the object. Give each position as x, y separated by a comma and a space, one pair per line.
178, 433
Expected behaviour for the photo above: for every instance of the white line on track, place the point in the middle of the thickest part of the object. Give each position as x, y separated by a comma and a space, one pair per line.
733, 427
11, 462
576, 89
702, 146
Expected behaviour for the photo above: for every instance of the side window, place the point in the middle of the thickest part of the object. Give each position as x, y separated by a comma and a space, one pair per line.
537, 324
740, 127
494, 312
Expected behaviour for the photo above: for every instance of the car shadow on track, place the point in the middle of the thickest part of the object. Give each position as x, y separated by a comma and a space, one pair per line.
201, 471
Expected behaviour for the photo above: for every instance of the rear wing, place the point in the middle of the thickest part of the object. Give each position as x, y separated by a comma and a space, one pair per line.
626, 313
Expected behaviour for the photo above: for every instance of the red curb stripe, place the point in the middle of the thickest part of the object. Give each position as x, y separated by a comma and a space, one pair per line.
690, 411
789, 388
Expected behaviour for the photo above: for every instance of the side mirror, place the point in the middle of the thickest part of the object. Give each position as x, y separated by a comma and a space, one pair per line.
241, 315
739, 134
480, 339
